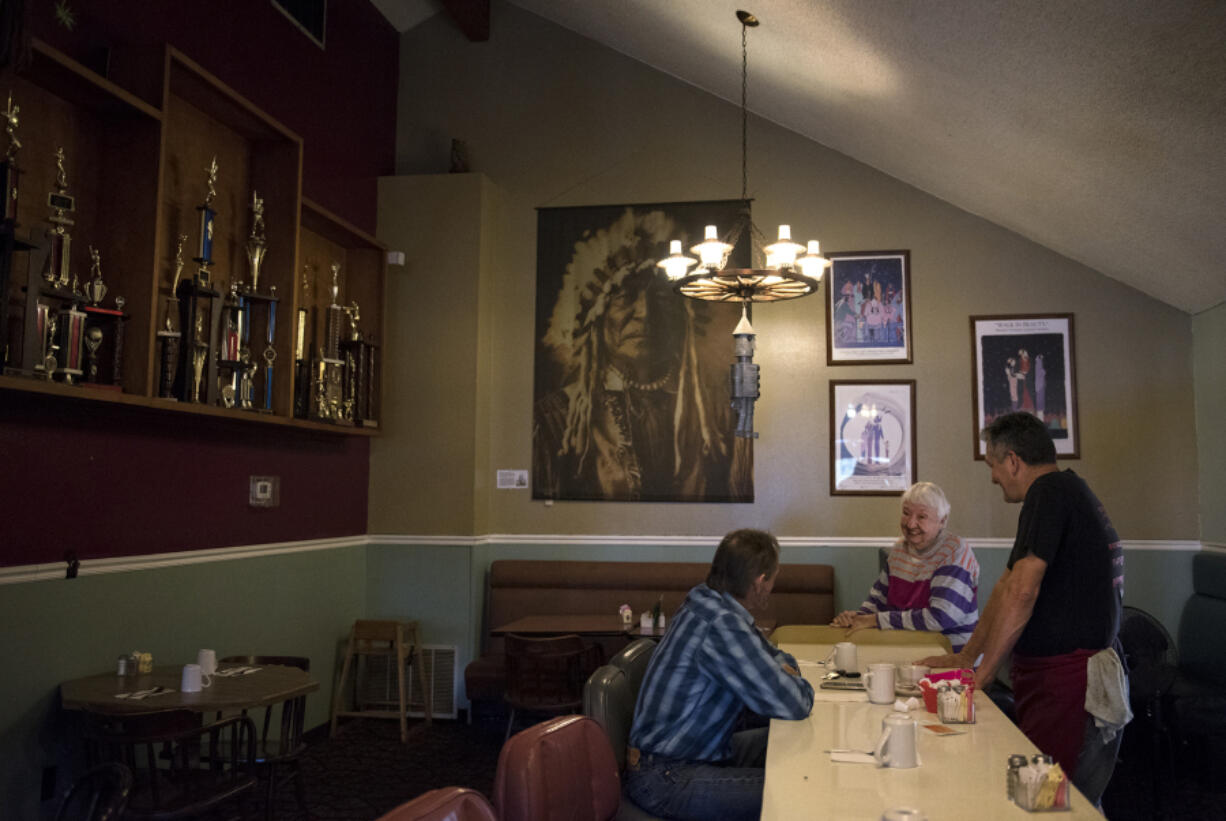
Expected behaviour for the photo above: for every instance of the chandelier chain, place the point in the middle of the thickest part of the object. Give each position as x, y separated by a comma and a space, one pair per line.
744, 111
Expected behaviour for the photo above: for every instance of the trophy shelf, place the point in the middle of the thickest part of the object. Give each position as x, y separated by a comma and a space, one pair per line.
327, 239
136, 169
70, 392
206, 121
111, 142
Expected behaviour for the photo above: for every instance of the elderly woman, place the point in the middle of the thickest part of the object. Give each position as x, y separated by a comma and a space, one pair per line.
931, 580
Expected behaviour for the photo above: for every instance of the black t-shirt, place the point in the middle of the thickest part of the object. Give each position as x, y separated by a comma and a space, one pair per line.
1081, 596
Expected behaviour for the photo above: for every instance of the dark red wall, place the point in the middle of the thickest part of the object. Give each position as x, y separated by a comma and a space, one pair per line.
104, 480
110, 480
341, 99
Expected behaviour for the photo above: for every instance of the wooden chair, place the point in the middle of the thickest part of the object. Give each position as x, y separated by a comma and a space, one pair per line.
98, 795
446, 804
184, 773
277, 753
560, 770
546, 675
397, 639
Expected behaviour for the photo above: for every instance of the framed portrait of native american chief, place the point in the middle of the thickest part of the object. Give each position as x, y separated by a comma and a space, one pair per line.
872, 427
631, 384
1024, 362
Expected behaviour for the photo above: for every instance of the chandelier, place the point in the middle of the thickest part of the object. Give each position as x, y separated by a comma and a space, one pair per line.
785, 269
782, 270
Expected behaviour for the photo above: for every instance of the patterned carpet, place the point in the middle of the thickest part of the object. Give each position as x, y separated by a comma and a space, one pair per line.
365, 771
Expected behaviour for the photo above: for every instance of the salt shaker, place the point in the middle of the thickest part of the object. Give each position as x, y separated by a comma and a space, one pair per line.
1016, 762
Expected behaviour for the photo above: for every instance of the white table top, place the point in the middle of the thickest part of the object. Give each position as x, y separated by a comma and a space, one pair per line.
959, 777
810, 657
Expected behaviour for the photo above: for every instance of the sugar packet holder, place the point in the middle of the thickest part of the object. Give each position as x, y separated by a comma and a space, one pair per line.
1039, 785
951, 695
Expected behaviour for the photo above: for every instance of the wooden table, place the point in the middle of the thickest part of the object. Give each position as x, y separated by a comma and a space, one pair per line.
959, 777
271, 684
595, 625
563, 624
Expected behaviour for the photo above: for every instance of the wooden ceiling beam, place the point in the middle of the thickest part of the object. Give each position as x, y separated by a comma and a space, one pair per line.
472, 16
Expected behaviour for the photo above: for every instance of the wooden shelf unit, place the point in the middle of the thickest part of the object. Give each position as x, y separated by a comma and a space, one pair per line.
325, 239
136, 166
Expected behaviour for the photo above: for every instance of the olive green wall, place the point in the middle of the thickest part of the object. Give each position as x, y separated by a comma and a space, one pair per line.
1209, 346
551, 119
433, 451
53, 631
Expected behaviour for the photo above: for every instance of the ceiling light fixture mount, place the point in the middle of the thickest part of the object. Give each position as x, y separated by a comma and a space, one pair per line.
782, 270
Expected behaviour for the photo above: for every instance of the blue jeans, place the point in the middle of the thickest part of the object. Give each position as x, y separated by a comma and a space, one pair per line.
1096, 762
683, 790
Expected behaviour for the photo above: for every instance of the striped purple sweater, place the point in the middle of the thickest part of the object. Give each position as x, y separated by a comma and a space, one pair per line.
937, 591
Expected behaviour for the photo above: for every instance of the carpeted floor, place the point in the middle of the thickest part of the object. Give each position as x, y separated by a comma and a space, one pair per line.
365, 771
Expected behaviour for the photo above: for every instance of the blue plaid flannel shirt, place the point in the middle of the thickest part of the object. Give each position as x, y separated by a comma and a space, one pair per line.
711, 664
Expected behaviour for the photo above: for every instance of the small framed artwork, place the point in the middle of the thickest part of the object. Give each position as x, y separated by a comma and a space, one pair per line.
872, 430
1025, 363
868, 308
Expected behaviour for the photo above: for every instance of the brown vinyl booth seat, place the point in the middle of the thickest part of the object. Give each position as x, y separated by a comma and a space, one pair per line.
803, 594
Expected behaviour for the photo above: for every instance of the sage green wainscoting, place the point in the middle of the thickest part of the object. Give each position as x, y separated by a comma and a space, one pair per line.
442, 586
303, 604
55, 630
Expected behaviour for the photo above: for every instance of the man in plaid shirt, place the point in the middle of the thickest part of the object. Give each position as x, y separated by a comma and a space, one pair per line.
684, 760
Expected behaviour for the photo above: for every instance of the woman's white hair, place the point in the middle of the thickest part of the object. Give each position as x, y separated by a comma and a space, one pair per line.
929, 495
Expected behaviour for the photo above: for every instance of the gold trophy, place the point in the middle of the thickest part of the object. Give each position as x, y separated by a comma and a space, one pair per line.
61, 204
256, 245
9, 172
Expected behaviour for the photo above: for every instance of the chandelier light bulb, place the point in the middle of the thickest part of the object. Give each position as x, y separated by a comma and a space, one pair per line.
676, 265
782, 254
712, 252
812, 264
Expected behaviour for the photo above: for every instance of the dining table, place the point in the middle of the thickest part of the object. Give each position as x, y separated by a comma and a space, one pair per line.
961, 772
588, 624
159, 690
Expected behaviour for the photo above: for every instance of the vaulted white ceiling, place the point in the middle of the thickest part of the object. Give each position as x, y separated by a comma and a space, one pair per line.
1096, 128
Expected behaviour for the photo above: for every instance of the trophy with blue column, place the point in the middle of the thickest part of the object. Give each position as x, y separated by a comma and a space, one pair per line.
199, 302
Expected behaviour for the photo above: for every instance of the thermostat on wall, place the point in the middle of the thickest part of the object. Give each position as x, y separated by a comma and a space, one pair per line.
265, 491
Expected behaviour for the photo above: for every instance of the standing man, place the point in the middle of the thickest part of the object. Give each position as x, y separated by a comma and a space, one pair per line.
684, 761
1057, 607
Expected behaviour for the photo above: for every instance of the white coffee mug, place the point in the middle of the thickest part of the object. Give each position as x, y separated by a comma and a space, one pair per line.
896, 747
191, 682
842, 657
879, 681
207, 659
910, 674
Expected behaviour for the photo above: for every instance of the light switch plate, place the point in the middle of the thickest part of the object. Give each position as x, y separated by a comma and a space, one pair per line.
265, 491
